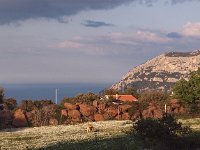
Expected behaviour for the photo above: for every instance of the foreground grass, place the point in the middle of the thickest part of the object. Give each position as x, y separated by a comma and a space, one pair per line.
119, 143
109, 135
41, 137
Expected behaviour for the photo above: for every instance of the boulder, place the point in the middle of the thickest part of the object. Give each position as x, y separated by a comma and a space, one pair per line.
152, 112
158, 113
53, 122
87, 110
112, 111
125, 116
51, 108
106, 116
64, 112
89, 118
95, 103
101, 108
30, 116
70, 106
124, 108
176, 107
118, 117
98, 117
75, 115
19, 119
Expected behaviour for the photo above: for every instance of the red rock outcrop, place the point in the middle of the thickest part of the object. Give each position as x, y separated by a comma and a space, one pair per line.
53, 122
75, 115
101, 108
125, 116
176, 107
124, 108
64, 112
112, 111
70, 106
19, 119
95, 103
152, 111
98, 117
87, 110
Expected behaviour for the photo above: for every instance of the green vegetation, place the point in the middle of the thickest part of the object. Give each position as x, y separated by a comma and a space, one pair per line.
189, 91
154, 96
157, 133
87, 98
1, 98
10, 104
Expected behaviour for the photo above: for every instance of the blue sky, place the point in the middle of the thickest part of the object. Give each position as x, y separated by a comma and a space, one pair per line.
98, 41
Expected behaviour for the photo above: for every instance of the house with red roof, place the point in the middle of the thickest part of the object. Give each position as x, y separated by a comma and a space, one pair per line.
123, 98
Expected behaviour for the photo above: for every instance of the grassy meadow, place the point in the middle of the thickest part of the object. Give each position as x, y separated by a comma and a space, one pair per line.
109, 135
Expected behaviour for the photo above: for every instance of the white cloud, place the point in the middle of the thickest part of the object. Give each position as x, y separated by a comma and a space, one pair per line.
191, 29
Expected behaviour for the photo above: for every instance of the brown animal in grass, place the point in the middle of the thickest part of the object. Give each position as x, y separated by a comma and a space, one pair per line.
89, 128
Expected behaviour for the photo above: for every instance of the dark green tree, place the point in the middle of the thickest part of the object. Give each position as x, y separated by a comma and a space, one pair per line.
1, 95
189, 91
1, 98
131, 91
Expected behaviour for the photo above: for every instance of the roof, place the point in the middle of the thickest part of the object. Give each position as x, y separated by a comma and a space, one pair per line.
125, 98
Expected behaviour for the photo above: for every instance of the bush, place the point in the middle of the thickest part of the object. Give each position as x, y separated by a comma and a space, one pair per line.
80, 98
10, 104
154, 96
188, 91
153, 132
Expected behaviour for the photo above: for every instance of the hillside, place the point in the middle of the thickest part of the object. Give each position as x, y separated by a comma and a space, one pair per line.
160, 72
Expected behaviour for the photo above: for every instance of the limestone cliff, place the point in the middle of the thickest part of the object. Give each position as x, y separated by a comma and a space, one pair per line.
161, 72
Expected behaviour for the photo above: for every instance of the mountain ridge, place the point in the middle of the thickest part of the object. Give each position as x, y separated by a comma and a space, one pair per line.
161, 72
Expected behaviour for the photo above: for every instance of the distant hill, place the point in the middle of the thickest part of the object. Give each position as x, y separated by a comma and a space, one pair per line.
160, 72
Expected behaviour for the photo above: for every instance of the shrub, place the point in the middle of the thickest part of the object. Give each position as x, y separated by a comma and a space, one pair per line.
156, 96
189, 91
152, 132
10, 104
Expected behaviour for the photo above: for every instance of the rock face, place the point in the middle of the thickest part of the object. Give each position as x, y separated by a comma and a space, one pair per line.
70, 106
87, 110
19, 119
75, 115
160, 72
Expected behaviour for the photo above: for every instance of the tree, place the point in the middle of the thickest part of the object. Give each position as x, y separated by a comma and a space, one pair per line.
1, 98
154, 96
189, 91
154, 132
131, 91
1, 95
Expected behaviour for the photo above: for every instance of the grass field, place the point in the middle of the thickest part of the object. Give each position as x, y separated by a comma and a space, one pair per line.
107, 135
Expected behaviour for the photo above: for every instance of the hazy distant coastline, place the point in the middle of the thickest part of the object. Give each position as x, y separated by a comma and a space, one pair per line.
47, 91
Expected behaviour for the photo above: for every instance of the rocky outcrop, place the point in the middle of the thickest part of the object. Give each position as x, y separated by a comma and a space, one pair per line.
53, 122
160, 72
112, 111
176, 107
99, 117
64, 112
74, 115
70, 106
19, 119
87, 110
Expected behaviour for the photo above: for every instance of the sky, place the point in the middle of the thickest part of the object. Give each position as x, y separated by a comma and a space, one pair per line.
90, 41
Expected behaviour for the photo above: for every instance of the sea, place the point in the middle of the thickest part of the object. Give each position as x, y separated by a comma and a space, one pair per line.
48, 91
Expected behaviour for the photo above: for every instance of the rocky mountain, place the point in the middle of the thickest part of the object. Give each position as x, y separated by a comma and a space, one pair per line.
160, 72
